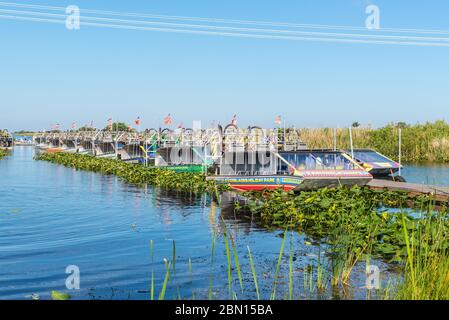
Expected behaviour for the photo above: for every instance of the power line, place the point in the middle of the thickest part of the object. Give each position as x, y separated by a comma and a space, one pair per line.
231, 34
225, 21
233, 29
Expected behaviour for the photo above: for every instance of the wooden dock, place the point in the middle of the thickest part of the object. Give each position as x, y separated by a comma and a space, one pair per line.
414, 190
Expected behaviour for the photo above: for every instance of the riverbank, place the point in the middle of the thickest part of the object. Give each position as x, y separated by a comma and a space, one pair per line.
420, 143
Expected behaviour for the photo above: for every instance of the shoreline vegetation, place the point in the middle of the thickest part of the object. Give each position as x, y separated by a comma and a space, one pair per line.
421, 143
353, 225
3, 153
136, 174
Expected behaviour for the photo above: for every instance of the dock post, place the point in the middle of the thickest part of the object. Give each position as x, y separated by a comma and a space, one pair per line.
335, 139
400, 151
352, 142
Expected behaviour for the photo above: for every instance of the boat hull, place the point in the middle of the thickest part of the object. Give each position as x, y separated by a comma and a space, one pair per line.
307, 181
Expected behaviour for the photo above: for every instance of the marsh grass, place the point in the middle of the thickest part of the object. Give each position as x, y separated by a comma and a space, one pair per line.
229, 264
426, 275
253, 272
237, 263
212, 259
152, 269
166, 279
278, 266
290, 269
427, 142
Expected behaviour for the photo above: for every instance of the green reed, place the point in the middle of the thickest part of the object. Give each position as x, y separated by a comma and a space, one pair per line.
237, 263
426, 275
152, 269
166, 279
278, 266
290, 269
229, 266
212, 264
253, 272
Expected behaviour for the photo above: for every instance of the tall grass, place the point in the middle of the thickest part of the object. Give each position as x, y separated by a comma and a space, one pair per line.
427, 142
166, 279
152, 269
229, 265
426, 275
212, 259
278, 266
253, 272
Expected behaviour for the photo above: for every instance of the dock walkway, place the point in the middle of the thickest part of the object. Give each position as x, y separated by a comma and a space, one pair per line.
441, 194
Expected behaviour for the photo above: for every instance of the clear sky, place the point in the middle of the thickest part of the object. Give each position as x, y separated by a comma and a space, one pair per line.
49, 74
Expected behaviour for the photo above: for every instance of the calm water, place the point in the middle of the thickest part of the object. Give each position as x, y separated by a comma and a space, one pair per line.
52, 217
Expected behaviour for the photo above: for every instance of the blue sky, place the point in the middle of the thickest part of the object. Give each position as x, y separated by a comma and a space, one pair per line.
51, 75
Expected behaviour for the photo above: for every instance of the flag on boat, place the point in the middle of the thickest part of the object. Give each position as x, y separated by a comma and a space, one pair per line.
74, 125
181, 126
168, 120
110, 123
234, 120
56, 126
137, 121
278, 120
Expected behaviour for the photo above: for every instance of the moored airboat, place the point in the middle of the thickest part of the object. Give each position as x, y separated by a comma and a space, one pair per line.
290, 170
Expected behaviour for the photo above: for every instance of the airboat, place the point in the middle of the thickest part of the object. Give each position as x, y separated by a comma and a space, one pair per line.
299, 170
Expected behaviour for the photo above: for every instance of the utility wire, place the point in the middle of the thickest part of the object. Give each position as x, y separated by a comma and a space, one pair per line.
224, 21
231, 34
233, 29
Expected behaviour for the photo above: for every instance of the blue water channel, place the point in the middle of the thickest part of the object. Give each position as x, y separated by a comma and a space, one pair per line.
52, 217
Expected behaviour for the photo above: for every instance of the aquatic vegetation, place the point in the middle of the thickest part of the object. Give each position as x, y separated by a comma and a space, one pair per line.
281, 253
3, 153
427, 142
167, 277
355, 221
253, 272
152, 270
426, 275
356, 225
136, 174
60, 296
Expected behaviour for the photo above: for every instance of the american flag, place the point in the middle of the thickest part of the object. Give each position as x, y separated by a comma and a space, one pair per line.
137, 121
278, 120
234, 120
168, 120
56, 126
73, 125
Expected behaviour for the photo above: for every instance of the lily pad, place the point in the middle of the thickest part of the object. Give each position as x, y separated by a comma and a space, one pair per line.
60, 296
